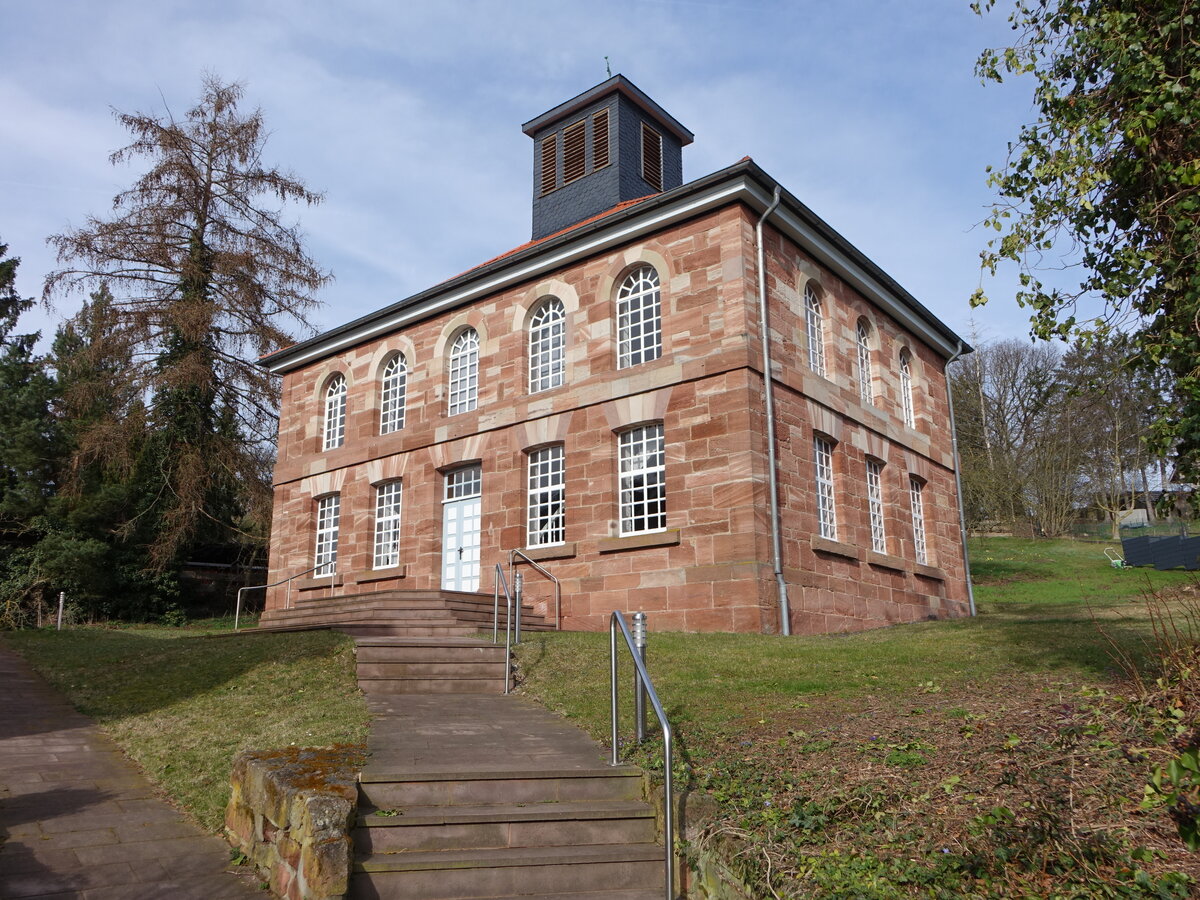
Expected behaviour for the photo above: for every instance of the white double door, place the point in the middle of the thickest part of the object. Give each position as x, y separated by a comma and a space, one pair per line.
461, 513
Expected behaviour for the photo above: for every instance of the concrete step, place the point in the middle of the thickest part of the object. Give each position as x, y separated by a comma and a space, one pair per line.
490, 684
485, 827
398, 789
463, 668
460, 874
428, 654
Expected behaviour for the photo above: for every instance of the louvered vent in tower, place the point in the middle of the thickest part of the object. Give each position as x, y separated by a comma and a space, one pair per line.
652, 157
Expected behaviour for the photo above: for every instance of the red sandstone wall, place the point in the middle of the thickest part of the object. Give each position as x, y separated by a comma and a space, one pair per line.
844, 585
711, 570
706, 578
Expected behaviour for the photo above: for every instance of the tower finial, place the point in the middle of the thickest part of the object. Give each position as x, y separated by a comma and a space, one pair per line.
607, 67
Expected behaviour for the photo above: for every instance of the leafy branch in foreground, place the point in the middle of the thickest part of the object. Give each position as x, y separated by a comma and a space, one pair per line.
1105, 184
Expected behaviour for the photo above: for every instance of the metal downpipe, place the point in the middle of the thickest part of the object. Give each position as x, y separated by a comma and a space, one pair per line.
962, 513
769, 392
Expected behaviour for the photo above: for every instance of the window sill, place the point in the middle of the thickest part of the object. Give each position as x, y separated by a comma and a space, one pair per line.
369, 575
929, 572
309, 584
837, 548
666, 538
557, 551
886, 561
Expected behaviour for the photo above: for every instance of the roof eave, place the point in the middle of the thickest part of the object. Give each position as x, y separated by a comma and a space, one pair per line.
743, 182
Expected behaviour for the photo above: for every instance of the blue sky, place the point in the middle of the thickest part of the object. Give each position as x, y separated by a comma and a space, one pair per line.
407, 117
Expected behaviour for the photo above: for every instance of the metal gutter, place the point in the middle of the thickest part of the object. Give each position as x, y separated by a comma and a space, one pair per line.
962, 513
764, 325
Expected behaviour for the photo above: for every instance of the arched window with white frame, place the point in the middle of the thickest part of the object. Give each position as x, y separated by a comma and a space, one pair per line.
866, 390
547, 345
639, 318
464, 372
906, 389
393, 387
814, 324
335, 413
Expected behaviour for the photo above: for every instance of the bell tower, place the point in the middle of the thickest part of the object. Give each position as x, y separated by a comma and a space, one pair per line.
608, 145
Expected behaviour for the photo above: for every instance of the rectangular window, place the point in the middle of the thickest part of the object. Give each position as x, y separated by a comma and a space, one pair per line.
387, 525
547, 486
600, 139
875, 501
918, 520
549, 163
464, 482
574, 151
826, 502
643, 480
328, 515
652, 157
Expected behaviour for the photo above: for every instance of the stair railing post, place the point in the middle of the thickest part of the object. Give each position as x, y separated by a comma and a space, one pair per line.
612, 681
639, 689
519, 590
496, 607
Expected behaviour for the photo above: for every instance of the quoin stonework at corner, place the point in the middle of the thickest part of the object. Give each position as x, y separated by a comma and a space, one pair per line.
595, 398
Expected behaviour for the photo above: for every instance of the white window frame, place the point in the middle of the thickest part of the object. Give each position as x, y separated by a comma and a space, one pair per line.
334, 429
814, 326
329, 514
639, 318
906, 389
642, 466
393, 391
825, 489
463, 483
920, 547
463, 388
866, 375
388, 502
875, 505
546, 498
547, 345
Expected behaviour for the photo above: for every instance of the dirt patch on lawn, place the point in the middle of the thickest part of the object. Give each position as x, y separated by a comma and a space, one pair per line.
1024, 786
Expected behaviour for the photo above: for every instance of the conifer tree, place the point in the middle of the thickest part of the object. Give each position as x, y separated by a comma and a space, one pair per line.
205, 276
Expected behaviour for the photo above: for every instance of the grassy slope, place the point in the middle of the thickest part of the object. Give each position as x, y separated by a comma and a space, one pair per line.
182, 703
801, 740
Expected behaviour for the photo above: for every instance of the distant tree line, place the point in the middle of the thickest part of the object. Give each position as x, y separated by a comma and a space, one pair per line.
143, 440
1049, 434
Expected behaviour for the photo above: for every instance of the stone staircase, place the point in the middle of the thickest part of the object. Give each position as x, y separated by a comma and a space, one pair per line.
470, 793
428, 613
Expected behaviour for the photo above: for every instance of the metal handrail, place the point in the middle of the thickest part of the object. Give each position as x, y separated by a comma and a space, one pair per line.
512, 558
508, 605
646, 684
288, 581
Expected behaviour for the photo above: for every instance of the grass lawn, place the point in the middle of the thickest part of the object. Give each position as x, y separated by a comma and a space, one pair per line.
182, 702
969, 757
999, 756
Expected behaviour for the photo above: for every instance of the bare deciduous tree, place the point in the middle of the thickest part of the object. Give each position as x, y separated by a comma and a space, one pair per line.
205, 275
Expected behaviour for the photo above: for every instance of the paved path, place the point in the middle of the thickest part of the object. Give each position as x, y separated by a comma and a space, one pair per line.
78, 820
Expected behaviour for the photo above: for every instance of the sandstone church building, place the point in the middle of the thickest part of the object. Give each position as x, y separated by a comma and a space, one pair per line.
595, 398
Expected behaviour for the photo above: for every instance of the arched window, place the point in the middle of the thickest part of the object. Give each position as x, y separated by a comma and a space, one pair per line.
393, 385
865, 374
906, 392
335, 413
814, 323
639, 318
464, 372
547, 345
